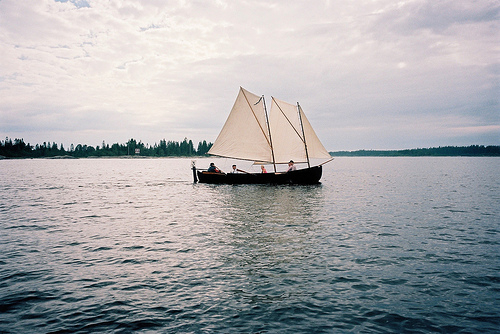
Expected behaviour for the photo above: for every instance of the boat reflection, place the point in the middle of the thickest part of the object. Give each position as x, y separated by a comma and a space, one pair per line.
269, 234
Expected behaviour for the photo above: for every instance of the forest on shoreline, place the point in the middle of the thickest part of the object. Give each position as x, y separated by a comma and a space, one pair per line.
445, 151
17, 148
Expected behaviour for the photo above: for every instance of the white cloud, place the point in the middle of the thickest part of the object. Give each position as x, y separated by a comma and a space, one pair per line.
92, 70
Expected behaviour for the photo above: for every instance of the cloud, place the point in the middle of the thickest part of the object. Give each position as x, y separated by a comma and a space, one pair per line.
410, 16
109, 70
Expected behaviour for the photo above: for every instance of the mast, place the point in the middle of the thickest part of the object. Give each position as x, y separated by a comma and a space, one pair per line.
269, 130
303, 134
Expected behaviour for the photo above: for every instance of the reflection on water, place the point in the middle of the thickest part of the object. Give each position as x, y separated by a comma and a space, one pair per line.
276, 204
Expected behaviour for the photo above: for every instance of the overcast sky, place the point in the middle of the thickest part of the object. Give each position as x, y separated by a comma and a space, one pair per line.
369, 74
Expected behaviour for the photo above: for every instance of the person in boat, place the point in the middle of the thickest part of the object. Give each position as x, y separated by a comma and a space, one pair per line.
235, 170
213, 168
263, 169
291, 167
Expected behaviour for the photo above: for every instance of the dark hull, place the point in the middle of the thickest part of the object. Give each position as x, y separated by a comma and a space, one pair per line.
302, 176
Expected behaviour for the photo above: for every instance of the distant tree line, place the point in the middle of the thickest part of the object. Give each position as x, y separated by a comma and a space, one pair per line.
17, 148
445, 151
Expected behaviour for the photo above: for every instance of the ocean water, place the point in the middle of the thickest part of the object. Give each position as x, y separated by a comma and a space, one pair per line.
383, 245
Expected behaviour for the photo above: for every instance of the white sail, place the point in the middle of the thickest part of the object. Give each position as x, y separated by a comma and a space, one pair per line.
289, 138
245, 134
286, 132
315, 148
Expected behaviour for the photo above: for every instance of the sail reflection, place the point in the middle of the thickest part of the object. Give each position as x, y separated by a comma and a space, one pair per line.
269, 234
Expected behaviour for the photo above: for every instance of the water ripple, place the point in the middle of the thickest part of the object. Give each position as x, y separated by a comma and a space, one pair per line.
382, 245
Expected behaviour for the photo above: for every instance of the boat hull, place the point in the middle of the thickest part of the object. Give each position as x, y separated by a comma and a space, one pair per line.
302, 176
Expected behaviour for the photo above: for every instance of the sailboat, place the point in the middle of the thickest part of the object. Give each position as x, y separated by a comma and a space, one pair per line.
285, 136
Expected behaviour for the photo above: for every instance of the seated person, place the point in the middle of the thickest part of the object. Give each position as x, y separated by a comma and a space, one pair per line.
263, 169
213, 169
291, 167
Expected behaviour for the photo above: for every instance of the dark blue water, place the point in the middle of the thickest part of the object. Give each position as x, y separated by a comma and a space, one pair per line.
383, 245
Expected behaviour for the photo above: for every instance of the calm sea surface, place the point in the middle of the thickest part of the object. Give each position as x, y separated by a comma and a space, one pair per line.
383, 245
